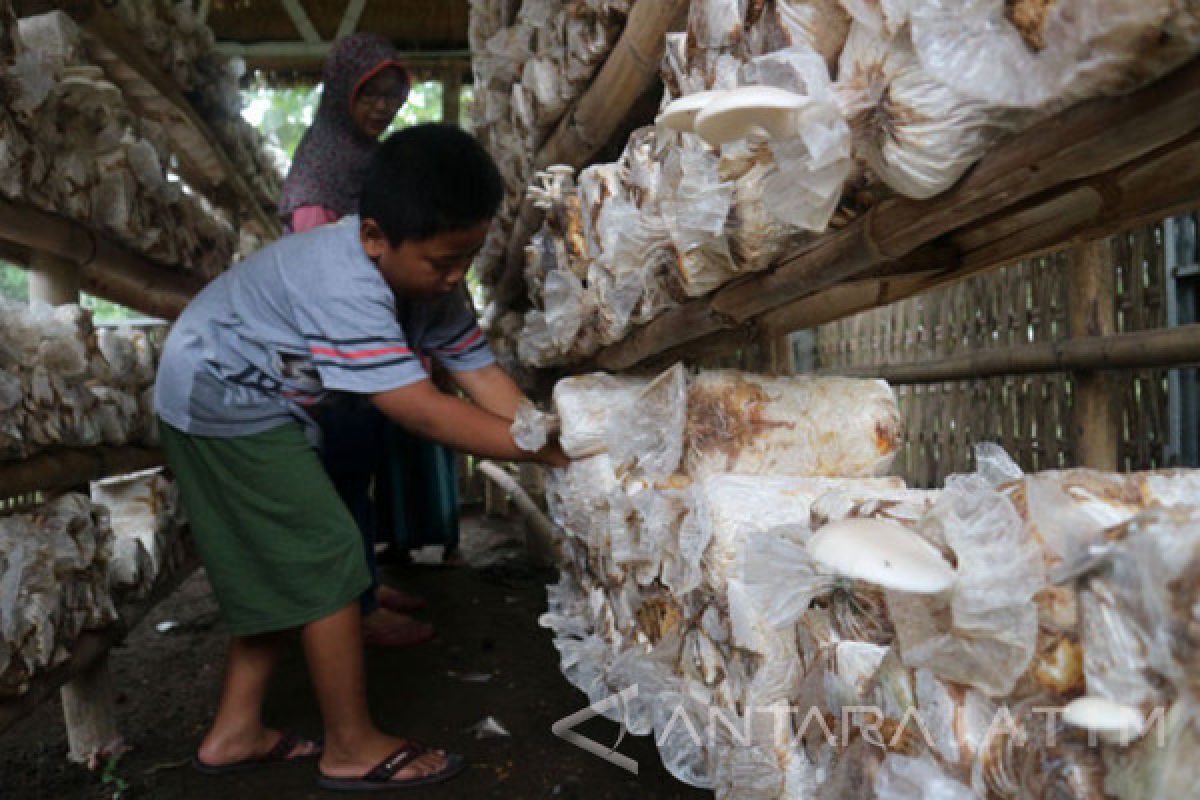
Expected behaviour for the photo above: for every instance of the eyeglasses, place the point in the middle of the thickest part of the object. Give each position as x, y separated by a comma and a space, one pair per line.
388, 98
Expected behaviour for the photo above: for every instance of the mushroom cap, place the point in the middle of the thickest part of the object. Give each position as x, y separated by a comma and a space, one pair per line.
763, 111
1107, 717
882, 552
680, 115
564, 170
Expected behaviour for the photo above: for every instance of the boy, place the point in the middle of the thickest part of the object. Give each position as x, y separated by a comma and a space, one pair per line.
342, 308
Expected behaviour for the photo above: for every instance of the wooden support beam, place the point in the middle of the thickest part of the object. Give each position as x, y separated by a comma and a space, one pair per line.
90, 713
629, 70
66, 469
299, 18
1091, 312
350, 19
1128, 160
53, 280
1168, 347
452, 96
106, 269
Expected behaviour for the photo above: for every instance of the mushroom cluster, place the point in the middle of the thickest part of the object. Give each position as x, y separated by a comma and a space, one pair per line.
797, 626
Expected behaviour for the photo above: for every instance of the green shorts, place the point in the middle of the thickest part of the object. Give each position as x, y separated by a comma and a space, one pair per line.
280, 547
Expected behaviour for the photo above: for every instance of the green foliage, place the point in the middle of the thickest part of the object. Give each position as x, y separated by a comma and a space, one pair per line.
105, 311
14, 283
112, 780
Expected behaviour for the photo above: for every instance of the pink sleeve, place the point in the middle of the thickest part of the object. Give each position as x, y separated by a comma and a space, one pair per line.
308, 217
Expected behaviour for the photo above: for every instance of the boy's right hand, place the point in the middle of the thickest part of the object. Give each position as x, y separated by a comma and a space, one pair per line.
552, 455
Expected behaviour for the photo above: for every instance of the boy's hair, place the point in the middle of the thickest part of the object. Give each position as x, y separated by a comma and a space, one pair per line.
430, 179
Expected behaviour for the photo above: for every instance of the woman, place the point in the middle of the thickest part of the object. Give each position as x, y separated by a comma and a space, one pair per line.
365, 85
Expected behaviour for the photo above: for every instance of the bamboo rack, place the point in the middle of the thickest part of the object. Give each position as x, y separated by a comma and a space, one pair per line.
1087, 172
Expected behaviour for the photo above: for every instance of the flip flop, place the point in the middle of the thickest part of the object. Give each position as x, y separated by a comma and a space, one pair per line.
281, 753
380, 778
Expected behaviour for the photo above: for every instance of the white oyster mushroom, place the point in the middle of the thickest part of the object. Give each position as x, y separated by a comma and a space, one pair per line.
759, 111
881, 552
1113, 721
680, 115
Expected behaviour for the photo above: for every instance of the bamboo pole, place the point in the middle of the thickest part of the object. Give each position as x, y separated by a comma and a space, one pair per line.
1170, 347
1091, 303
64, 469
105, 269
590, 123
52, 279
543, 534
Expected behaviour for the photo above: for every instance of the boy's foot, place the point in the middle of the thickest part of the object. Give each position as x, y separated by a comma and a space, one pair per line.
407, 764
383, 628
396, 600
272, 748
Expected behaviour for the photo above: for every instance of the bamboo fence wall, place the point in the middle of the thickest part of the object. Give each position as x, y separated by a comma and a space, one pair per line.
1028, 415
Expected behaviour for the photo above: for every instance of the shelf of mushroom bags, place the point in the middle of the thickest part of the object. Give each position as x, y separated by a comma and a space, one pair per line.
789, 199
165, 63
738, 561
89, 178
91, 530
554, 87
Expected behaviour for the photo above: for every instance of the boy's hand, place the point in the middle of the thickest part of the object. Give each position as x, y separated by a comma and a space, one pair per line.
552, 455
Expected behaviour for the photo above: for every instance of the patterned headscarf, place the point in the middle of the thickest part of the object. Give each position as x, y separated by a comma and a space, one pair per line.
331, 160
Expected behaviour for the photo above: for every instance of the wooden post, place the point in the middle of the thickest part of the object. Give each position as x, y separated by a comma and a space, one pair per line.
91, 716
1091, 300
87, 700
53, 280
451, 96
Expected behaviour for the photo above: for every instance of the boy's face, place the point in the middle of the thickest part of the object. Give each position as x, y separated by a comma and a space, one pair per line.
426, 268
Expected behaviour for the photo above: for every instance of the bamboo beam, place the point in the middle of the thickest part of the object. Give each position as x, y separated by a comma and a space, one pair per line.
1170, 347
65, 469
629, 70
1125, 184
92, 647
1091, 307
106, 269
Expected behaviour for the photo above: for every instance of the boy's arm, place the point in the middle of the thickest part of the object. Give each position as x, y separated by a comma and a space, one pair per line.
422, 409
492, 389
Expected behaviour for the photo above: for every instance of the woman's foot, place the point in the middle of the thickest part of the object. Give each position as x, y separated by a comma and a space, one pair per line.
252, 748
396, 600
384, 628
384, 760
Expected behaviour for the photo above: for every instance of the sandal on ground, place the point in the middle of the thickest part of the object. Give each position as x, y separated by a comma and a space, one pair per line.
397, 600
281, 753
381, 777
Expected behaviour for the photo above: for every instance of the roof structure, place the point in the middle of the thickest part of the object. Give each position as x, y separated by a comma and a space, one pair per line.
288, 39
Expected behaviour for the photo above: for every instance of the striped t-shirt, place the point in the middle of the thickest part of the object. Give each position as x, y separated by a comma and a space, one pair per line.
307, 315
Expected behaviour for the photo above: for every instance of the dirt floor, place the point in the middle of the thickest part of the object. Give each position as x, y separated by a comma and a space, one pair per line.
486, 615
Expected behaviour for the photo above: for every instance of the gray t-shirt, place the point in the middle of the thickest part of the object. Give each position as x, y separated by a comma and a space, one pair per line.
307, 315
